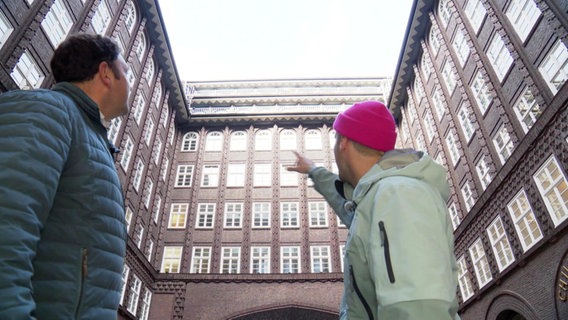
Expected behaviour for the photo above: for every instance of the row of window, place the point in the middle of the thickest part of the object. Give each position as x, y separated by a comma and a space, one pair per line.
236, 175
262, 140
230, 262
260, 215
134, 298
552, 185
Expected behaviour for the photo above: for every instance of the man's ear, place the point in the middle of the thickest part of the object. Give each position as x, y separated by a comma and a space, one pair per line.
343, 141
105, 73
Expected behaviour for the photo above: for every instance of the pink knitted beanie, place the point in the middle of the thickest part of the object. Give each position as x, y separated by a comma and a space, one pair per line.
369, 123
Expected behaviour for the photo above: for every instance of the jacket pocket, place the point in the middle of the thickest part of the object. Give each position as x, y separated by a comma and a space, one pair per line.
83, 270
385, 245
360, 295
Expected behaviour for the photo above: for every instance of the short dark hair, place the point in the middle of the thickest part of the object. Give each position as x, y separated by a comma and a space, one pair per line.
77, 59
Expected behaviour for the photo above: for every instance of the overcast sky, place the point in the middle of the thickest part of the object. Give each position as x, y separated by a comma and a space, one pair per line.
285, 39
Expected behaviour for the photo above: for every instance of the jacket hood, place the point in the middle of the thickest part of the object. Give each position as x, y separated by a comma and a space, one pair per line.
409, 163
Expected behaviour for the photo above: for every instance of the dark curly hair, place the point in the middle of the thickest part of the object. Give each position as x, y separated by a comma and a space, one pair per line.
77, 58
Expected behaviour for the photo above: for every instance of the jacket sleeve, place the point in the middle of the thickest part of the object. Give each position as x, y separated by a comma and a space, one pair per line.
324, 183
410, 255
34, 143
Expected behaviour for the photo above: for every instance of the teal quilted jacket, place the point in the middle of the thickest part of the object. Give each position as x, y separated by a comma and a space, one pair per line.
62, 226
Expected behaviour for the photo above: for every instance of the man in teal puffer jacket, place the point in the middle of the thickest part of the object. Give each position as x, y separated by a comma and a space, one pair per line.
399, 255
62, 226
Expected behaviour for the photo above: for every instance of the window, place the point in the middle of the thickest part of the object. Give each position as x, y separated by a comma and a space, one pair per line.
200, 260
236, 175
150, 250
318, 214
290, 259
288, 178
523, 15
553, 187
449, 77
138, 171
262, 175
157, 95
500, 244
210, 176
260, 260
554, 67
313, 140
57, 23
125, 160
434, 42
205, 215
135, 285
214, 141
130, 20
164, 169
147, 197
101, 18
480, 263
261, 215
527, 109
464, 280
189, 142
6, 29
287, 140
125, 272
503, 144
128, 218
26, 73
289, 215
475, 12
263, 140
426, 67
483, 173
429, 125
465, 122
468, 197
113, 129
131, 77
146, 299
418, 90
139, 235
149, 75
157, 208
499, 56
238, 141
140, 47
452, 143
320, 259
445, 12
233, 215
178, 215
524, 220
172, 259
184, 175
461, 47
157, 150
149, 130
454, 215
231, 260
438, 102
139, 105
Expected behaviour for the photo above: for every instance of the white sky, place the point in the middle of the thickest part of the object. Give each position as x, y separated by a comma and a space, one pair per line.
285, 39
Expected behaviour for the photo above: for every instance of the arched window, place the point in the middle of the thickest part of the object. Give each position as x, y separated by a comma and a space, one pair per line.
141, 47
238, 141
189, 142
263, 140
313, 140
130, 19
214, 141
287, 140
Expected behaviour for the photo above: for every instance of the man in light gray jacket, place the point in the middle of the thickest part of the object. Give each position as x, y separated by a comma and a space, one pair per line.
399, 257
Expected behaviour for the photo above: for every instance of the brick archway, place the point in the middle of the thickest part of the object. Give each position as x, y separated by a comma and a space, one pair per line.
287, 313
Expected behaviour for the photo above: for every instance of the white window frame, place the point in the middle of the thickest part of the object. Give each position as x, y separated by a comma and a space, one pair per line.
261, 214
189, 142
236, 174
475, 13
503, 144
201, 260
214, 141
499, 56
260, 260
554, 67
171, 259
6, 29
483, 172
184, 175
288, 140
289, 215
452, 143
205, 216
57, 23
461, 47
500, 244
454, 215
146, 301
134, 297
449, 77
320, 259
524, 220
313, 140
552, 186
480, 263
210, 176
263, 140
233, 215
288, 178
290, 261
238, 141
523, 15
230, 260
178, 216
317, 212
468, 197
27, 73
101, 19
527, 109
464, 118
262, 175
